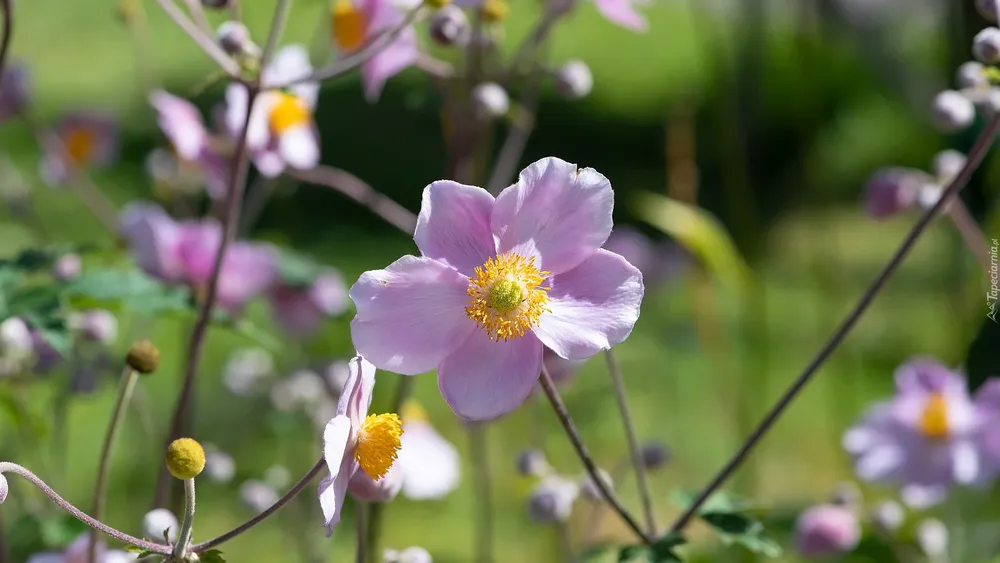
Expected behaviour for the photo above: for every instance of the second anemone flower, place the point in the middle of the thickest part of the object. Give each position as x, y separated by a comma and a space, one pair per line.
499, 279
355, 441
80, 140
353, 23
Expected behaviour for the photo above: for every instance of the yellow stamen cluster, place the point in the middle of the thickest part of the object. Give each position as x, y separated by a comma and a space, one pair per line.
506, 298
79, 143
934, 420
289, 111
348, 25
378, 444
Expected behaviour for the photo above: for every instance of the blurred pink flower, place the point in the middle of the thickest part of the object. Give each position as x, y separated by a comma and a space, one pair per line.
301, 310
14, 91
184, 253
79, 552
623, 13
356, 22
826, 531
192, 144
499, 280
281, 131
80, 139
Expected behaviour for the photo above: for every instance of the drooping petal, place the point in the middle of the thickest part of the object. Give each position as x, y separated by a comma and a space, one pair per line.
430, 463
410, 315
153, 236
593, 306
484, 379
181, 123
556, 212
299, 147
965, 462
454, 225
390, 61
333, 491
622, 13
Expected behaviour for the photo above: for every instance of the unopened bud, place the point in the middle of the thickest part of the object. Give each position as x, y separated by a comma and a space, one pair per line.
987, 9
947, 164
655, 455
143, 357
15, 338
450, 27
96, 325
490, 100
574, 80
409, 555
552, 500
67, 267
160, 523
826, 531
495, 10
952, 111
3, 488
986, 46
215, 4
932, 535
532, 463
589, 488
888, 516
185, 458
847, 495
233, 37
970, 75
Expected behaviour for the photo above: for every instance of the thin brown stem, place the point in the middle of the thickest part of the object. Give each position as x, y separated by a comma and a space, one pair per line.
200, 38
635, 450
291, 494
197, 12
970, 231
976, 156
277, 28
517, 139
8, 32
230, 222
358, 190
581, 451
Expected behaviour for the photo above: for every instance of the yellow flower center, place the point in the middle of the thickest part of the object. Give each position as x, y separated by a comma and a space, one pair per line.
289, 111
348, 25
506, 298
413, 412
79, 143
378, 443
934, 420
495, 10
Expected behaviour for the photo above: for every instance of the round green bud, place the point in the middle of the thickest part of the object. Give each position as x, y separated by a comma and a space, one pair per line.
143, 357
185, 458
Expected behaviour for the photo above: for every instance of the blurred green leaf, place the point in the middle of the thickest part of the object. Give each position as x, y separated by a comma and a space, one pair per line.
297, 270
661, 551
700, 233
31, 534
983, 361
130, 289
728, 516
211, 556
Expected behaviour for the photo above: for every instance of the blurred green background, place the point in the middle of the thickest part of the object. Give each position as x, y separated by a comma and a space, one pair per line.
784, 107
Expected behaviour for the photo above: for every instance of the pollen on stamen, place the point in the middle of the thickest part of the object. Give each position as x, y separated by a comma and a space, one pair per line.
507, 296
378, 444
289, 111
934, 419
348, 25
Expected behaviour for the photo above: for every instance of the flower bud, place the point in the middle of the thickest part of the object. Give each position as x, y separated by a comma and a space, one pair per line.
932, 535
986, 46
450, 27
552, 500
185, 458
589, 488
929, 195
826, 531
495, 10
96, 325
67, 267
532, 463
414, 554
891, 191
257, 495
655, 455
490, 100
947, 164
574, 80
846, 495
233, 37
15, 338
219, 466
215, 4
970, 75
158, 523
3, 488
987, 9
951, 111
143, 357
888, 516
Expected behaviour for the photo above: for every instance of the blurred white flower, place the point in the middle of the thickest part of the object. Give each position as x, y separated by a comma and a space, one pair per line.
219, 466
157, 521
552, 499
257, 495
277, 477
413, 554
301, 390
246, 369
431, 466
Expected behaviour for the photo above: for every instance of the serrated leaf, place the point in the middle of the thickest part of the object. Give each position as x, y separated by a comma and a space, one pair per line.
211, 556
983, 361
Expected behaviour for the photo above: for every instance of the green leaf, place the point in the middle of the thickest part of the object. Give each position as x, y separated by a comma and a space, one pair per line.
662, 550
131, 289
211, 556
983, 361
728, 516
699, 232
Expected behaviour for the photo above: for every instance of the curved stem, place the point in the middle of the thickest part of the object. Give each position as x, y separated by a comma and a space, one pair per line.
187, 524
292, 493
8, 467
277, 28
358, 190
581, 451
230, 222
129, 377
633, 443
204, 41
976, 156
8, 31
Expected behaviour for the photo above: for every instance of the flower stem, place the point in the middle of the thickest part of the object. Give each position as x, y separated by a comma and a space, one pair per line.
484, 492
292, 493
200, 38
976, 156
633, 443
187, 525
581, 451
359, 518
8, 31
8, 467
277, 28
358, 190
125, 388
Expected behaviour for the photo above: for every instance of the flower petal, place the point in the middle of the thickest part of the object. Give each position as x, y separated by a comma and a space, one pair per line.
396, 56
356, 397
454, 225
593, 306
333, 491
364, 488
484, 379
922, 496
965, 462
247, 270
622, 13
880, 462
410, 315
181, 123
556, 212
153, 236
299, 147
197, 245
430, 463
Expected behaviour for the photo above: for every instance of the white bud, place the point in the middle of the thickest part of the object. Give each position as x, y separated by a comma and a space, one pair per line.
846, 494
589, 488
986, 45
552, 500
490, 100
234, 38
952, 111
532, 463
246, 368
888, 516
932, 535
3, 488
414, 554
947, 164
929, 195
219, 466
987, 9
67, 267
337, 374
15, 338
257, 495
574, 80
970, 75
303, 389
96, 325
158, 520
450, 27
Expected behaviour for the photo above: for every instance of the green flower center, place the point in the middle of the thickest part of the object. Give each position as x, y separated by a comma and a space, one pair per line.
505, 295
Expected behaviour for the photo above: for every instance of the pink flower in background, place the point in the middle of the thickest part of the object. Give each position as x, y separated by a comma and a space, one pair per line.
355, 441
281, 131
499, 280
356, 22
79, 552
191, 142
80, 140
656, 260
184, 253
301, 310
14, 91
623, 13
827, 530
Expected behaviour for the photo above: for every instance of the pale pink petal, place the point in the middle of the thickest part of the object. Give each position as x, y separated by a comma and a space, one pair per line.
395, 57
333, 491
454, 225
593, 306
337, 436
410, 315
197, 245
356, 397
258, 128
290, 63
247, 271
299, 147
484, 379
364, 488
153, 236
181, 123
555, 212
431, 464
622, 13
268, 162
